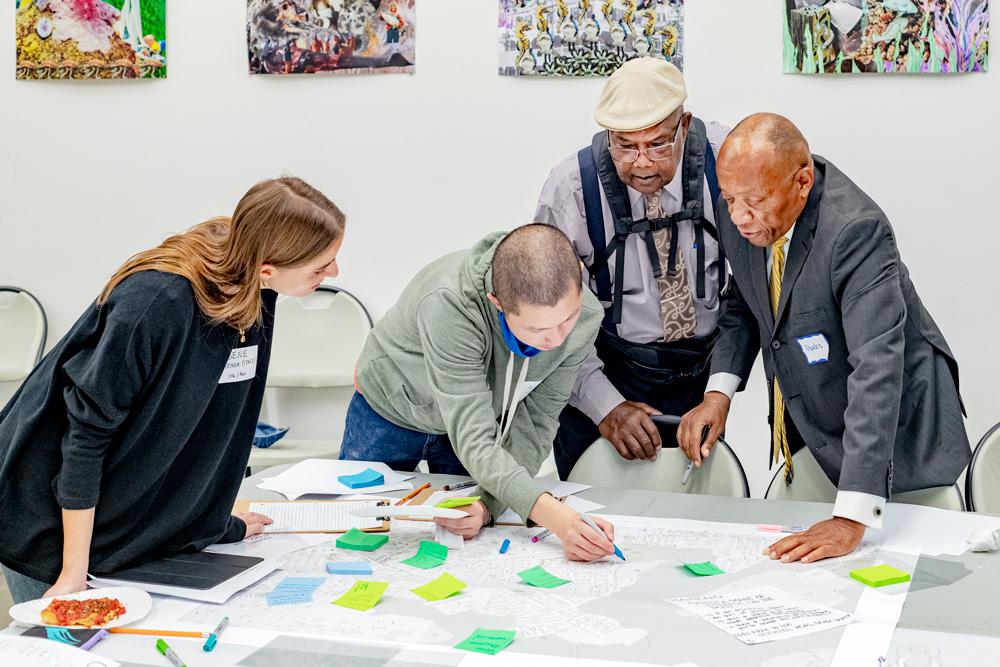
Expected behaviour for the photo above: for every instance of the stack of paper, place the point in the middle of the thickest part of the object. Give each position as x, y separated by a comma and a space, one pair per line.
320, 476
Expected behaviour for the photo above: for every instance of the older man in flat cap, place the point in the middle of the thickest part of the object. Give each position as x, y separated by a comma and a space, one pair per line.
637, 203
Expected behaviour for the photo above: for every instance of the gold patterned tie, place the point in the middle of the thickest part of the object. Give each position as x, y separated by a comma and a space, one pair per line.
779, 436
676, 303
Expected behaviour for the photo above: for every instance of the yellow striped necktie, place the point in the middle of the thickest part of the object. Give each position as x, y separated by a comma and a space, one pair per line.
778, 434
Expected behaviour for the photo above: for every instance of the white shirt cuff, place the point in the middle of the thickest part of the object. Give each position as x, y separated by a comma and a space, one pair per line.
724, 383
861, 507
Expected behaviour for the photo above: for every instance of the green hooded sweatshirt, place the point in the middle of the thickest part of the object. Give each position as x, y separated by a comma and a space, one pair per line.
437, 362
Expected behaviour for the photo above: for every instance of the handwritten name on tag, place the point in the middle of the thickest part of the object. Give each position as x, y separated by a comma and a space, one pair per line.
242, 365
528, 388
816, 348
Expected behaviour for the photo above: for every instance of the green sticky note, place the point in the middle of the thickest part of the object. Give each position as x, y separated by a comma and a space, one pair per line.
430, 554
359, 541
489, 642
448, 503
363, 595
442, 587
537, 576
703, 569
880, 575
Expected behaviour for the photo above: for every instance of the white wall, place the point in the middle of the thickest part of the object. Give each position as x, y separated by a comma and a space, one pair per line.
426, 164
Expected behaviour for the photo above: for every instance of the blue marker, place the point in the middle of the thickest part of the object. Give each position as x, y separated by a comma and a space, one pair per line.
590, 522
504, 546
214, 637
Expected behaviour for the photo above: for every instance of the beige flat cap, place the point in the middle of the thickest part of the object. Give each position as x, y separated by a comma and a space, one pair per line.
640, 94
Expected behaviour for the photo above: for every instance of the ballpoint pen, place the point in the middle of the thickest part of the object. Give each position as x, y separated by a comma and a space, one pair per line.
687, 472
214, 637
162, 647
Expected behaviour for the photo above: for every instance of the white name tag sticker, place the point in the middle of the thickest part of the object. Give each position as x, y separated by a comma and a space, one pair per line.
816, 348
528, 387
242, 365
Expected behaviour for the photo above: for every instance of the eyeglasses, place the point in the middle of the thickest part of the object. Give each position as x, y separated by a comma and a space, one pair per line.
654, 153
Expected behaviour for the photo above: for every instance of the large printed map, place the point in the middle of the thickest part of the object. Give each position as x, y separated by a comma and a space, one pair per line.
611, 610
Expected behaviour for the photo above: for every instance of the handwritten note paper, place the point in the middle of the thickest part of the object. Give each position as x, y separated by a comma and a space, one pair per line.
363, 595
428, 555
307, 584
763, 614
442, 587
538, 576
489, 642
277, 598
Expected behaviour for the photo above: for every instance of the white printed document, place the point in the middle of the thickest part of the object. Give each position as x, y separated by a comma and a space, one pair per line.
763, 614
315, 517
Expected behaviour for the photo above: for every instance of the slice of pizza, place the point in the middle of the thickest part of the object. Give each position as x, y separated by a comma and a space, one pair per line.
88, 613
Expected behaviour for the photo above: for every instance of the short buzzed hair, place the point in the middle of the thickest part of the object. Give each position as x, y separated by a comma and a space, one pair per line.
790, 147
535, 265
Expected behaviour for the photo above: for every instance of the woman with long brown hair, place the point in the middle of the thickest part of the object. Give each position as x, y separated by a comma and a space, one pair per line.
128, 442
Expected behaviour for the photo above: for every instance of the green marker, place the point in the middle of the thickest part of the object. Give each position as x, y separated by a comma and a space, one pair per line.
162, 647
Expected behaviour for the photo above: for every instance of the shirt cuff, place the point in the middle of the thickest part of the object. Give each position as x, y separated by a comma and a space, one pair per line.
600, 399
861, 507
724, 383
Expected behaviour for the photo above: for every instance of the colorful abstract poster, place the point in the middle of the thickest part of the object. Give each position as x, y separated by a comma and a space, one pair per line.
586, 37
91, 39
331, 36
886, 36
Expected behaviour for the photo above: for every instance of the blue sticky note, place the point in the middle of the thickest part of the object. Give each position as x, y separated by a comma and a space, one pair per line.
275, 598
299, 584
367, 477
356, 567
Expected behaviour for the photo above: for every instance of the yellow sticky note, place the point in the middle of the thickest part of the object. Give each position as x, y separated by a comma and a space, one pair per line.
462, 501
880, 575
442, 587
363, 595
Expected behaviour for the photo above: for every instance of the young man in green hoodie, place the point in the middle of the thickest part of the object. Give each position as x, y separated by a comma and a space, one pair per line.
470, 370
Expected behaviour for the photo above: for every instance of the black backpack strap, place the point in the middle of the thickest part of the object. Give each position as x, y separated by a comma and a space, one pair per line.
621, 211
595, 229
716, 192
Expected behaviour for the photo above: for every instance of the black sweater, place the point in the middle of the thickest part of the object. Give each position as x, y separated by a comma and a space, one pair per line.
127, 414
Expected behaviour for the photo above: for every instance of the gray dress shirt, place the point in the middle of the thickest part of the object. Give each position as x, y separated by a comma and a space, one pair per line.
561, 205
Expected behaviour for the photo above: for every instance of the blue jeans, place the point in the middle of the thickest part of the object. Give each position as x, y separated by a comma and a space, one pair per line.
368, 436
23, 588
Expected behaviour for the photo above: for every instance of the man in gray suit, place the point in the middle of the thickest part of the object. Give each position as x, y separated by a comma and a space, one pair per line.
856, 368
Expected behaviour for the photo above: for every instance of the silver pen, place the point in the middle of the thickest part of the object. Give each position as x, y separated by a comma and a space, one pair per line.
687, 472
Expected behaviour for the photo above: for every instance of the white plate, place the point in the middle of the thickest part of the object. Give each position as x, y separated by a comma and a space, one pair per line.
137, 605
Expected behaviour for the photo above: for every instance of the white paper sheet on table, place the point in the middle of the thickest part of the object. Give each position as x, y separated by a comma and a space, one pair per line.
273, 546
306, 516
559, 488
928, 530
449, 539
320, 476
38, 652
581, 505
762, 614
218, 594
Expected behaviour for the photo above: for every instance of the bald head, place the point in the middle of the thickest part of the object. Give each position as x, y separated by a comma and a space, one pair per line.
767, 139
535, 265
766, 173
